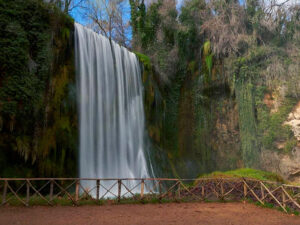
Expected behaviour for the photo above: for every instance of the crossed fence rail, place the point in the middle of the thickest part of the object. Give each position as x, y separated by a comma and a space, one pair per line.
77, 190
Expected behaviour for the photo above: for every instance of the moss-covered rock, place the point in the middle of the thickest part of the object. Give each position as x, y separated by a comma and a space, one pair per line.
38, 128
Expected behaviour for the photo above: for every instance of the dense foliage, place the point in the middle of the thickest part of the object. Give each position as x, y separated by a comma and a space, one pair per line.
218, 62
37, 115
220, 79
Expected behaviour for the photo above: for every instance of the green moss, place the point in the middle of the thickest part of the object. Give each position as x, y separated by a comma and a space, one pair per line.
153, 101
246, 173
247, 123
290, 144
272, 206
145, 60
58, 141
39, 129
271, 126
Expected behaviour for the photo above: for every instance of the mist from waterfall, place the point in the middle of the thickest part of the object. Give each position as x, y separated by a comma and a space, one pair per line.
111, 113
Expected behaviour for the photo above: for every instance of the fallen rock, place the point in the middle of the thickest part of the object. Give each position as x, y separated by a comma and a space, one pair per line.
286, 165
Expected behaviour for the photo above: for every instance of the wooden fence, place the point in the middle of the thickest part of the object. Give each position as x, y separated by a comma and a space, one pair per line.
77, 190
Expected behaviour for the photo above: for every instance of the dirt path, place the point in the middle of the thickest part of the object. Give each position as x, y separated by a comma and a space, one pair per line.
154, 214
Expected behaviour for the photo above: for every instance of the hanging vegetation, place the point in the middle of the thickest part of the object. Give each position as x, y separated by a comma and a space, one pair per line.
228, 58
38, 112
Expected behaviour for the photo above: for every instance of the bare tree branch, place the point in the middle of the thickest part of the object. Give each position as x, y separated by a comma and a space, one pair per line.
107, 18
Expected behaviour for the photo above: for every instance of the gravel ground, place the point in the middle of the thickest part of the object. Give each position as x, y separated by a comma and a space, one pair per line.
154, 214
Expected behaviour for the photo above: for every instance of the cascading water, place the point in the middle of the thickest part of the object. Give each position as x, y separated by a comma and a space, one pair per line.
112, 121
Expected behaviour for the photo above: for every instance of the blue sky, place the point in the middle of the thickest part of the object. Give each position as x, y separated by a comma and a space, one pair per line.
76, 12
78, 17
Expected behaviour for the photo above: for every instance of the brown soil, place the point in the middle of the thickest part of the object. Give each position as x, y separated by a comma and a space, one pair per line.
154, 214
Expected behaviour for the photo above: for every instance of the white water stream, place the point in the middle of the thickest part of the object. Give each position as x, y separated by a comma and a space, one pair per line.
111, 113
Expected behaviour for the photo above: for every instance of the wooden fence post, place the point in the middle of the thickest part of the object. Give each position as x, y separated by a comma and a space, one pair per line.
283, 198
267, 189
142, 189
222, 190
51, 190
98, 189
178, 190
203, 191
119, 189
291, 199
27, 192
262, 190
77, 191
160, 191
4, 191
245, 190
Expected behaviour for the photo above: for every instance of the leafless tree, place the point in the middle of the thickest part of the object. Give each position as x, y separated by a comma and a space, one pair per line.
225, 26
67, 5
108, 18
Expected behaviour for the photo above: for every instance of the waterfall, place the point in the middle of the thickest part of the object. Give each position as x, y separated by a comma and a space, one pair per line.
111, 113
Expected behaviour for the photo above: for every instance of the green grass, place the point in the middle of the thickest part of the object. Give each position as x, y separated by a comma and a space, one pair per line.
246, 173
65, 201
272, 206
37, 200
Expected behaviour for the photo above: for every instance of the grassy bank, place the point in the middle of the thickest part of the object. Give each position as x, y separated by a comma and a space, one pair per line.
246, 173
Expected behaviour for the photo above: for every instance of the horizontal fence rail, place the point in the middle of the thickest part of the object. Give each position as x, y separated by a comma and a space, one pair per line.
51, 191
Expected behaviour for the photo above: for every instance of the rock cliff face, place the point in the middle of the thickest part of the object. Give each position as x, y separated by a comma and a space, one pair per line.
215, 141
294, 121
202, 129
286, 164
38, 113
210, 137
227, 138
